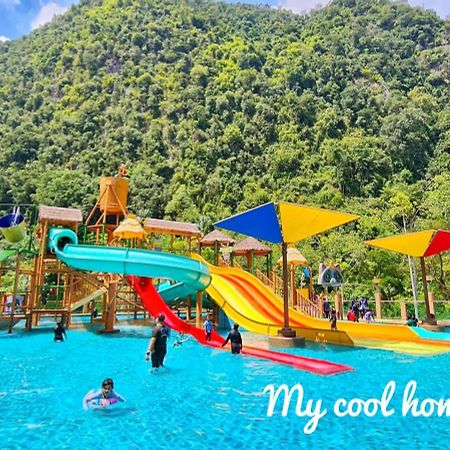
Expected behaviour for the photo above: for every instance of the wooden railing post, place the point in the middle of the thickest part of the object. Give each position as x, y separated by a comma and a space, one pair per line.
188, 309
338, 305
378, 313
431, 302
199, 308
403, 312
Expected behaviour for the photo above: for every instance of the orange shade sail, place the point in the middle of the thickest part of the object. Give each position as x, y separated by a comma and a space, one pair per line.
419, 244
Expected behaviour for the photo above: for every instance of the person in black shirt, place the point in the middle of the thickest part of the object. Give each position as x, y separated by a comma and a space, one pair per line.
236, 340
157, 346
59, 332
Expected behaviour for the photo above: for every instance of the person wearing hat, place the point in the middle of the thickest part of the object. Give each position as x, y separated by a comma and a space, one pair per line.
157, 346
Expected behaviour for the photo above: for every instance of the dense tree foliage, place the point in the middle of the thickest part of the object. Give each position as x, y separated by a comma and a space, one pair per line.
216, 108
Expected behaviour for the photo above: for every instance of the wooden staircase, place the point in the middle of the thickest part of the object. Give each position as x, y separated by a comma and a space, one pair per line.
85, 288
88, 298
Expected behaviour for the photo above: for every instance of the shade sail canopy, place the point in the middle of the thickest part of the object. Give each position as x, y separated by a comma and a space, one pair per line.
294, 257
419, 244
130, 228
260, 222
300, 222
296, 222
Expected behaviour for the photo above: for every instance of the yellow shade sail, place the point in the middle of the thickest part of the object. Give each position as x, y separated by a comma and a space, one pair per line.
412, 244
130, 228
300, 222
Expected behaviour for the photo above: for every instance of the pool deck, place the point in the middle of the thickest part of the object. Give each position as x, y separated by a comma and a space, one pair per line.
441, 324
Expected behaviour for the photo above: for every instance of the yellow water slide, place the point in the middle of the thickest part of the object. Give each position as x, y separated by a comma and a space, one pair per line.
247, 301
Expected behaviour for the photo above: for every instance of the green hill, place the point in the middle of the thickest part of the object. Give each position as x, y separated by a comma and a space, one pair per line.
216, 108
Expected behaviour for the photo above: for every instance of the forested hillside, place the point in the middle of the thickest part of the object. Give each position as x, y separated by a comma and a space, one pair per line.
216, 108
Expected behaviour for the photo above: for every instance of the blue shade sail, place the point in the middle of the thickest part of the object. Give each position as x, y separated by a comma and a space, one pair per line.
260, 222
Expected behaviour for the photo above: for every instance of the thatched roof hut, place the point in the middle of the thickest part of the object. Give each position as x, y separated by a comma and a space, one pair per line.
183, 229
130, 228
294, 257
216, 237
59, 216
173, 229
249, 245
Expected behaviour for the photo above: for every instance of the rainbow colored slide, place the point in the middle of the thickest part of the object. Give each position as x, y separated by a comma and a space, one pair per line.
246, 300
141, 264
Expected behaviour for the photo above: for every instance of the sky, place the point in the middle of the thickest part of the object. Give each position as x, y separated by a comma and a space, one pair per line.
20, 17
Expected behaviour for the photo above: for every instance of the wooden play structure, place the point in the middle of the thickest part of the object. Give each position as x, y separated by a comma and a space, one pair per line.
48, 287
35, 284
44, 287
52, 289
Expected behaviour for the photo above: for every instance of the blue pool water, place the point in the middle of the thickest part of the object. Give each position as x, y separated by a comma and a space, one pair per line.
207, 399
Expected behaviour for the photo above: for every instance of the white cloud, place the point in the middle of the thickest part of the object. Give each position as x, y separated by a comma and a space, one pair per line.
46, 14
3, 38
301, 6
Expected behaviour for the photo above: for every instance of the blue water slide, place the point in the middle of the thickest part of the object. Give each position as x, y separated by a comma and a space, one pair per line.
127, 261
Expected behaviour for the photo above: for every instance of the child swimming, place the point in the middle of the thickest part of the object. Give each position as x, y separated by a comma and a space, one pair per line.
103, 397
180, 339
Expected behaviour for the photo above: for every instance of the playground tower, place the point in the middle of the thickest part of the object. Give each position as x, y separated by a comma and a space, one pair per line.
111, 206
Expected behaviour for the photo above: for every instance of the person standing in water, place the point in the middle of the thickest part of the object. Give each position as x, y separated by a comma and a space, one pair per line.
157, 346
60, 332
236, 340
208, 326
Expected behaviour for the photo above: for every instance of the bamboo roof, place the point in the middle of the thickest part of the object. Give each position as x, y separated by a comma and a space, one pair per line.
294, 257
130, 228
210, 239
60, 216
185, 229
251, 245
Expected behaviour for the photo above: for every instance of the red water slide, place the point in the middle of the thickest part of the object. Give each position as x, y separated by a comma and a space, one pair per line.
155, 305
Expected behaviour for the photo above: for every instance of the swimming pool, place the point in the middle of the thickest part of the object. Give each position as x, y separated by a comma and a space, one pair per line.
206, 399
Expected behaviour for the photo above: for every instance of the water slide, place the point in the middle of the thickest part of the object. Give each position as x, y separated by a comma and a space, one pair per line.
154, 303
171, 292
141, 264
246, 300
175, 293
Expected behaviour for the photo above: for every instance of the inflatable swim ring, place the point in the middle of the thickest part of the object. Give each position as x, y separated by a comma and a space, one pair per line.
97, 402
